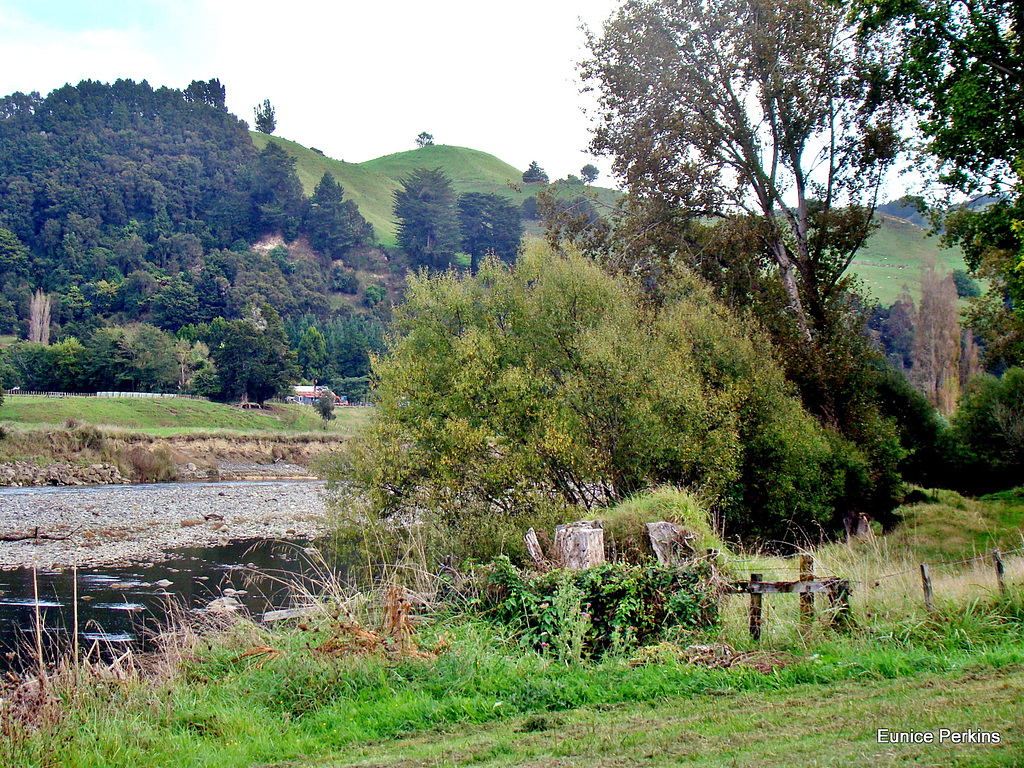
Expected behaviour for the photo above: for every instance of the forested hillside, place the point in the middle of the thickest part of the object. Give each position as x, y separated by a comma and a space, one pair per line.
129, 214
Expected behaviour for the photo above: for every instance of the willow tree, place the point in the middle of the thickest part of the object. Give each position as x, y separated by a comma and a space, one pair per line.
763, 108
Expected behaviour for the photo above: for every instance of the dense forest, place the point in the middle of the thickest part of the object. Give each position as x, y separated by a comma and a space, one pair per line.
137, 224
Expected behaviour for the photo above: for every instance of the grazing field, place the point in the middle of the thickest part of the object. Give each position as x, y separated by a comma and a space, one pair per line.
172, 416
893, 256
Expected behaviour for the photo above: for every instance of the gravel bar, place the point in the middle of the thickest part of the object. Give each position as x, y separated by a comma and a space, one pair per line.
120, 524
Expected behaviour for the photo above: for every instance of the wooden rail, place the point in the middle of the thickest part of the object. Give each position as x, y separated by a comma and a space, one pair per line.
838, 591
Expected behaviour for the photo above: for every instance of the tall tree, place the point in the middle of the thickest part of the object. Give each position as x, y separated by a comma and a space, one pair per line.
937, 342
252, 355
209, 92
425, 140
334, 225
759, 107
428, 224
266, 120
489, 223
961, 66
589, 173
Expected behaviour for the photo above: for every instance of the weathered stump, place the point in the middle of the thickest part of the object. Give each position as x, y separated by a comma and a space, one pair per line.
534, 549
671, 543
579, 545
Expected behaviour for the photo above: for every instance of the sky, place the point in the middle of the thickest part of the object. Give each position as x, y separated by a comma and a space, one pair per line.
357, 80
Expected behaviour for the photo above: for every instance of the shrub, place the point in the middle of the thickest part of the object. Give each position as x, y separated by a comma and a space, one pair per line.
554, 380
575, 614
145, 466
988, 428
625, 530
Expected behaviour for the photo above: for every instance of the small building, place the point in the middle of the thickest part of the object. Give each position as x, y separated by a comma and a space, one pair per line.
308, 394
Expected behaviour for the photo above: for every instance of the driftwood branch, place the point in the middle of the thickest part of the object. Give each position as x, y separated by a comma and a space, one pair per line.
34, 535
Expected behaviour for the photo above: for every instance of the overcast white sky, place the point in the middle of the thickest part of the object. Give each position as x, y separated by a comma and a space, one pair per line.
355, 79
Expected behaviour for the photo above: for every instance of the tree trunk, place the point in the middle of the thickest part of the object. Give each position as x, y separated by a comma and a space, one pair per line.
579, 545
671, 543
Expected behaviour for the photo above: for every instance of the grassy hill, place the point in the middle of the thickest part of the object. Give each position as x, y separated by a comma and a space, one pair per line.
894, 255
890, 261
372, 184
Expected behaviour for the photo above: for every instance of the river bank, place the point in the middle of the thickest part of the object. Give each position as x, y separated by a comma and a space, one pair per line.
119, 524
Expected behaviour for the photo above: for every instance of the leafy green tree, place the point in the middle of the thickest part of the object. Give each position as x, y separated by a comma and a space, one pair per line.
175, 305
277, 192
750, 107
550, 379
589, 172
266, 121
209, 92
961, 67
428, 224
312, 352
14, 256
488, 222
324, 405
989, 428
425, 140
535, 174
334, 225
253, 359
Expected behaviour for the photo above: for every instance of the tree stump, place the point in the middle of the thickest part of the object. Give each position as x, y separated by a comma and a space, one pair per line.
533, 547
672, 544
579, 545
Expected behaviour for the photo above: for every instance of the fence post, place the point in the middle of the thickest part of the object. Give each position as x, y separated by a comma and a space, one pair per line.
839, 600
806, 598
1000, 572
926, 582
755, 608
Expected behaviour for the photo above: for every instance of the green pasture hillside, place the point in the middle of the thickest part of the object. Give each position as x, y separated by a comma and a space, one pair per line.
890, 261
371, 185
893, 257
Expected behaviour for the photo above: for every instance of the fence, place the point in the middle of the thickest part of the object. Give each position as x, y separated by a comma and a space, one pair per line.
839, 589
33, 393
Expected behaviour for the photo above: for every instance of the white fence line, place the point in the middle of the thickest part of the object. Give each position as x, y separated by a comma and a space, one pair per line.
33, 393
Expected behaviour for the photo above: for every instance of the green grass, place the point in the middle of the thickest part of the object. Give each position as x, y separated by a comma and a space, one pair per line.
255, 695
484, 701
893, 257
164, 417
372, 184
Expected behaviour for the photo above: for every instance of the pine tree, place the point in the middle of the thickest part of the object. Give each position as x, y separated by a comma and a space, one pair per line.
535, 173
265, 119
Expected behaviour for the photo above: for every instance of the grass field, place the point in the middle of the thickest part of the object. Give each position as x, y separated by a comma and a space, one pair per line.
307, 696
164, 417
893, 256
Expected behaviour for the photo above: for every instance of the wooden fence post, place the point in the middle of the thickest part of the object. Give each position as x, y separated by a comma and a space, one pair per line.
755, 608
806, 598
839, 600
1000, 572
926, 582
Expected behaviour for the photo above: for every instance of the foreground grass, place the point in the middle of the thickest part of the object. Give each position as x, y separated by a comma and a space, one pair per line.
163, 417
809, 725
253, 696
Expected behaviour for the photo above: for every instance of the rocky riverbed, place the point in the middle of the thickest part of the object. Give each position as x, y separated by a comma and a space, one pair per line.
118, 524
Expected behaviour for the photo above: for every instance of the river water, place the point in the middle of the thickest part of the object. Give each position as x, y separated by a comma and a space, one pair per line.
124, 605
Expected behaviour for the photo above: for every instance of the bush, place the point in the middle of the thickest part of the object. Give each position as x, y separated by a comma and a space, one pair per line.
625, 529
988, 429
577, 614
553, 380
145, 466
